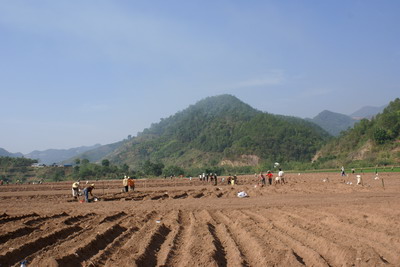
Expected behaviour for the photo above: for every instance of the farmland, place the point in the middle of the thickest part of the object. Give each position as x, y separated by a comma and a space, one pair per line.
317, 219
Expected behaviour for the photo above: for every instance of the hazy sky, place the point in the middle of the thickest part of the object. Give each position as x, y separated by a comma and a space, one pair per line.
76, 73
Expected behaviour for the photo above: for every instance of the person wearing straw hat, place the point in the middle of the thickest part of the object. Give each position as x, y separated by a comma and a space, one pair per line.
75, 190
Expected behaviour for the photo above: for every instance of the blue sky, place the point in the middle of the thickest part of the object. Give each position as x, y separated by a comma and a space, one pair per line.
77, 73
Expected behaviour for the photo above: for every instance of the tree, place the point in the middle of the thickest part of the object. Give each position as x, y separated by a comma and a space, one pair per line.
105, 163
381, 136
173, 170
150, 168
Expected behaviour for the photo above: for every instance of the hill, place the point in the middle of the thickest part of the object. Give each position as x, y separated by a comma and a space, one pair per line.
51, 156
222, 130
96, 154
370, 142
367, 112
332, 122
5, 153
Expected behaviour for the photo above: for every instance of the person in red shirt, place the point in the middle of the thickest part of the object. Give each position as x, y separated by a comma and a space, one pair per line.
269, 175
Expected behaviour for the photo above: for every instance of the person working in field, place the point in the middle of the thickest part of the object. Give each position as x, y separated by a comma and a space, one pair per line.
343, 173
125, 183
262, 179
235, 179
75, 190
131, 184
269, 175
281, 176
88, 190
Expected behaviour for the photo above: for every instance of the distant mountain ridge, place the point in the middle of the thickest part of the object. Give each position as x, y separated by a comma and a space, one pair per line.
95, 154
332, 122
51, 156
5, 153
367, 112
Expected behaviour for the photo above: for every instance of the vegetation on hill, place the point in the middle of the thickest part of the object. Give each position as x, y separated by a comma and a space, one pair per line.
225, 132
370, 142
21, 170
12, 168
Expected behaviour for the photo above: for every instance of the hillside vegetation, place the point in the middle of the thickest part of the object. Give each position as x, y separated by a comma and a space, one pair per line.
222, 131
370, 142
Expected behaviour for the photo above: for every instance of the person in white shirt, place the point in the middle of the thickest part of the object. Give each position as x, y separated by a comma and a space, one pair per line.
281, 176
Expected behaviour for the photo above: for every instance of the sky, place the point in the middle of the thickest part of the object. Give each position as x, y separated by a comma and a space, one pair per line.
76, 73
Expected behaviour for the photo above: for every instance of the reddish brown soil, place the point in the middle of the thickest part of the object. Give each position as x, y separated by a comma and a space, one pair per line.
306, 222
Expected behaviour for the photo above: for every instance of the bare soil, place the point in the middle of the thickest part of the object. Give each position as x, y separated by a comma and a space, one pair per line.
313, 220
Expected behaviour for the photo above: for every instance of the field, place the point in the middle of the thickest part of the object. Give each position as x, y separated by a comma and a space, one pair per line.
316, 219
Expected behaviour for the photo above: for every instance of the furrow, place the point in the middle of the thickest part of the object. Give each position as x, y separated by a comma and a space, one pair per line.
91, 248
202, 249
45, 218
184, 195
149, 256
383, 244
38, 231
345, 250
78, 218
247, 244
181, 241
29, 248
166, 248
90, 227
101, 258
26, 230
17, 218
163, 196
372, 221
307, 254
234, 256
136, 244
113, 217
330, 251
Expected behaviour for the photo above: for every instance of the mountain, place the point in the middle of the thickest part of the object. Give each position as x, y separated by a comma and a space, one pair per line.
95, 154
221, 130
51, 156
5, 153
370, 142
367, 112
332, 122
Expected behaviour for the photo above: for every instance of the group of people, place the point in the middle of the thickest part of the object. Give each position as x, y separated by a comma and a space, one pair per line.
232, 180
280, 179
208, 177
128, 183
76, 191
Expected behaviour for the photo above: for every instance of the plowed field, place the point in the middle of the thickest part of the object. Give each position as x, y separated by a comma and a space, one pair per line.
313, 220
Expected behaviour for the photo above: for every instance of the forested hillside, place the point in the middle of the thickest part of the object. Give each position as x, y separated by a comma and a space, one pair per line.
222, 130
370, 142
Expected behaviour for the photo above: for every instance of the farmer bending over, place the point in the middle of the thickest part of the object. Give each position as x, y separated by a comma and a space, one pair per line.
86, 192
